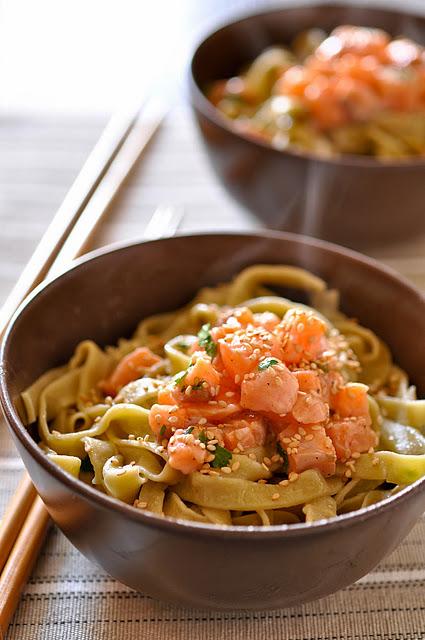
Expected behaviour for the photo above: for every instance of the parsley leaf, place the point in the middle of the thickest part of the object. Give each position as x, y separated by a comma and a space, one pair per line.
198, 386
222, 457
266, 363
203, 437
283, 455
189, 430
206, 341
162, 430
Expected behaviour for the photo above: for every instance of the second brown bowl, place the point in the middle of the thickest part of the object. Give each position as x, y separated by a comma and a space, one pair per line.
357, 201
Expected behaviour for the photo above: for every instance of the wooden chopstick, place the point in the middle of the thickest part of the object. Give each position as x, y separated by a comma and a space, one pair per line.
26, 520
14, 517
21, 559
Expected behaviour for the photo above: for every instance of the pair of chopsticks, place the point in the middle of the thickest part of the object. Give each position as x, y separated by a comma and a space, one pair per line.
26, 520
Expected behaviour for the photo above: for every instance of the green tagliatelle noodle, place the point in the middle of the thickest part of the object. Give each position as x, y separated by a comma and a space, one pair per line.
110, 443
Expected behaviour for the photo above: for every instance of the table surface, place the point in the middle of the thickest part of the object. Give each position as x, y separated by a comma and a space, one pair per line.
67, 596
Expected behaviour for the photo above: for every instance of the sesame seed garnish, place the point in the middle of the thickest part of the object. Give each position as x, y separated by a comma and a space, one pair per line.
141, 505
131, 436
97, 419
293, 476
229, 394
158, 417
275, 496
371, 450
261, 481
286, 440
222, 403
275, 458
267, 461
236, 450
252, 456
211, 447
237, 379
201, 444
173, 419
226, 469
309, 437
202, 421
236, 465
302, 431
212, 402
348, 473
297, 436
355, 455
242, 448
284, 483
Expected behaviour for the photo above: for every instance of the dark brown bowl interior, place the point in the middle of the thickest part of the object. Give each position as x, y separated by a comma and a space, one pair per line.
103, 298
357, 201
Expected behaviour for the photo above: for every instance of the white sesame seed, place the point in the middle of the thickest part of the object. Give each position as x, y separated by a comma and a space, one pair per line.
275, 496
226, 469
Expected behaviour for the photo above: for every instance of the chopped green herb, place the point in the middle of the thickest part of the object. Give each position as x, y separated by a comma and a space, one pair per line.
206, 341
222, 457
203, 437
283, 455
198, 386
162, 430
189, 429
86, 464
266, 363
179, 377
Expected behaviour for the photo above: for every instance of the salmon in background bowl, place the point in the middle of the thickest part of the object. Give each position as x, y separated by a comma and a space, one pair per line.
356, 200
103, 297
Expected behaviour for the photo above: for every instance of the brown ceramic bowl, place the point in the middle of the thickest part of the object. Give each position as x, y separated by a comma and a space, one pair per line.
104, 297
355, 200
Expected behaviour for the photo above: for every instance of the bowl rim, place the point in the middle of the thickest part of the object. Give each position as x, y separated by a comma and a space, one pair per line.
200, 102
180, 526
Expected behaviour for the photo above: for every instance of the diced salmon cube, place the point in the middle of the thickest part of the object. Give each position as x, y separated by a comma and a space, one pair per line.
313, 449
267, 320
303, 336
309, 408
185, 452
351, 435
131, 367
236, 356
308, 381
246, 433
351, 400
202, 371
273, 389
163, 418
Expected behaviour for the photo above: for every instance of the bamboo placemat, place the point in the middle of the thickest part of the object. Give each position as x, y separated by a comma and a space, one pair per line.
67, 597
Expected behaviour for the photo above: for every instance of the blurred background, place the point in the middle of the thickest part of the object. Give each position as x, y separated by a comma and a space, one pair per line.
64, 68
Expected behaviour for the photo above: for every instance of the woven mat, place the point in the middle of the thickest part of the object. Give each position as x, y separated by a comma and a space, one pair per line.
67, 597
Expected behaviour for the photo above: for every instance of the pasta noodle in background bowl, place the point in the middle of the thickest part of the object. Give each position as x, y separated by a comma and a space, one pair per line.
132, 562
